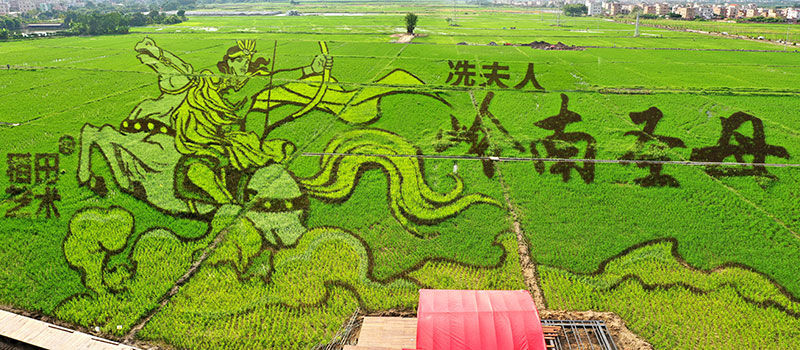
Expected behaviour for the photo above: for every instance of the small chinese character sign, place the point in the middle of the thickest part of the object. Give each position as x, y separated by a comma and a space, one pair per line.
19, 169
25, 172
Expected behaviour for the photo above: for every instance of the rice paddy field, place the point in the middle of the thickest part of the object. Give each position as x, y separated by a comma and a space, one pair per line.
770, 31
249, 182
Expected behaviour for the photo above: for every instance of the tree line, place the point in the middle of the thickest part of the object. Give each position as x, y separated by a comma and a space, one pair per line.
761, 19
7, 24
98, 18
95, 22
10, 23
575, 10
98, 23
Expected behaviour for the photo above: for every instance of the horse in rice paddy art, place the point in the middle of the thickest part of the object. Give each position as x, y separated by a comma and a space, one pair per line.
187, 153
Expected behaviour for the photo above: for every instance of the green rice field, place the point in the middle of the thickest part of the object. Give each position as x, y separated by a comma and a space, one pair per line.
249, 182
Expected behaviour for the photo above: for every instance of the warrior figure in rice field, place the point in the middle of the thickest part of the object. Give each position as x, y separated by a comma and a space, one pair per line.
194, 134
206, 114
188, 151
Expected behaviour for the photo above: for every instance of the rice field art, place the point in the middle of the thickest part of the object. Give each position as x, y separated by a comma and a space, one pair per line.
245, 212
246, 190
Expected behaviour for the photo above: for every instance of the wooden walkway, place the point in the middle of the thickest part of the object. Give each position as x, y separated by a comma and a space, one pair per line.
386, 333
49, 336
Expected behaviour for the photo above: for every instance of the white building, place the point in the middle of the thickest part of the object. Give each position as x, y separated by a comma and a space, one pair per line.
793, 13
704, 11
594, 8
4, 8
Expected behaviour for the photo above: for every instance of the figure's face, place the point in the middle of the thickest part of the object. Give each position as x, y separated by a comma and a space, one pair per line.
239, 65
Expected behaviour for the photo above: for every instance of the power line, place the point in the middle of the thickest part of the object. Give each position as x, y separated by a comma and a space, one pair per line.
553, 160
621, 90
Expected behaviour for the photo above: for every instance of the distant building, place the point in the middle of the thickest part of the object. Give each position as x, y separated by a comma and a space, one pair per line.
615, 9
734, 12
594, 8
663, 9
4, 8
704, 12
720, 11
26, 6
649, 9
686, 12
752, 13
773, 13
629, 8
793, 13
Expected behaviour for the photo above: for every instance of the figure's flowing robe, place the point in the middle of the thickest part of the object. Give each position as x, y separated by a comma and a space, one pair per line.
361, 105
200, 122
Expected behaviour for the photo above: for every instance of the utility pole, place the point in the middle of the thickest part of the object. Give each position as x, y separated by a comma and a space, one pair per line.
636, 32
558, 20
454, 13
786, 42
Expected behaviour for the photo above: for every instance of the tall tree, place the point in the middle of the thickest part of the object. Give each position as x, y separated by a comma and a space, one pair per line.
411, 22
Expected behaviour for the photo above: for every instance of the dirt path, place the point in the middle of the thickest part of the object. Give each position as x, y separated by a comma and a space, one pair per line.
623, 337
529, 272
403, 38
528, 267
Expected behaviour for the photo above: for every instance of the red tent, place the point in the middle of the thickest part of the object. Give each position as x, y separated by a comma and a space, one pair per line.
478, 320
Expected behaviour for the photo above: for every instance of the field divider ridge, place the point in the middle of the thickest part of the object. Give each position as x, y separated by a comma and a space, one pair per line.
529, 273
165, 299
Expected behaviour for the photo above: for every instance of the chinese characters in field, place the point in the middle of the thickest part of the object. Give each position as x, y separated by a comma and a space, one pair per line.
463, 73
755, 146
652, 147
32, 179
574, 152
563, 145
477, 136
